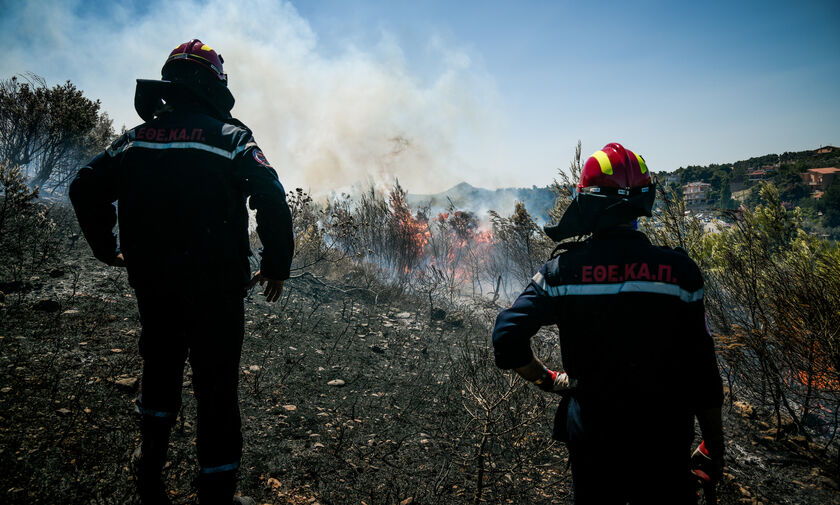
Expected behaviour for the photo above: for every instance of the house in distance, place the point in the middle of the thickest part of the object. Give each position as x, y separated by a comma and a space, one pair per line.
819, 179
697, 195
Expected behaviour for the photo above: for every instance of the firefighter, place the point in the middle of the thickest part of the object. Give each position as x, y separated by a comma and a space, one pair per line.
181, 180
639, 361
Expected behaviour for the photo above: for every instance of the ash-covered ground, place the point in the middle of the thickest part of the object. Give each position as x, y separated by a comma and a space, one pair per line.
348, 396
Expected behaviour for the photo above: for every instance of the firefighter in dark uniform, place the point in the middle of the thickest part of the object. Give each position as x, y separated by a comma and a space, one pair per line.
181, 180
639, 362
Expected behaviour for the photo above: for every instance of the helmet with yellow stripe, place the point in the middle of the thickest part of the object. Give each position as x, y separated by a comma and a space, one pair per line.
198, 53
615, 188
192, 69
614, 167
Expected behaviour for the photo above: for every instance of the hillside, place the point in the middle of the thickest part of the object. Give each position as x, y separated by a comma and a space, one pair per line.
738, 172
736, 184
463, 196
783, 170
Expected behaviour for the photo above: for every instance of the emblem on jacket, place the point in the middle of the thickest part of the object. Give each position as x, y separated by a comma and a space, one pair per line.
260, 157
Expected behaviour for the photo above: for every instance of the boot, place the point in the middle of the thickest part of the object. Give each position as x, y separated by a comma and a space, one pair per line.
150, 491
149, 460
216, 488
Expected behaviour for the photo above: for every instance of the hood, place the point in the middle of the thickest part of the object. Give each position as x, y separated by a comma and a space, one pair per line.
590, 213
150, 95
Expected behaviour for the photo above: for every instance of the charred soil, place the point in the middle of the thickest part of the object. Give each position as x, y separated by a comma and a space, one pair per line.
347, 396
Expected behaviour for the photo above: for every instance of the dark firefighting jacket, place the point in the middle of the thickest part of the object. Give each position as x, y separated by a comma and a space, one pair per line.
632, 330
181, 182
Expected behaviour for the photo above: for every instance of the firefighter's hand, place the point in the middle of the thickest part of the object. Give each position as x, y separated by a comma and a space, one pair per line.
119, 261
710, 474
273, 288
707, 465
545, 379
555, 382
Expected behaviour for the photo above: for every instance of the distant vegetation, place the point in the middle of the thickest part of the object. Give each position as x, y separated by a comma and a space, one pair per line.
49, 131
819, 216
772, 295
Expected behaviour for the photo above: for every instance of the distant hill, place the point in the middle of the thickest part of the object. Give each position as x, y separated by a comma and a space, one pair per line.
464, 196
783, 170
739, 172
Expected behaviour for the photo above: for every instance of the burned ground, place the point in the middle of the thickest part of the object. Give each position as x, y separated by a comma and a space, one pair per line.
347, 396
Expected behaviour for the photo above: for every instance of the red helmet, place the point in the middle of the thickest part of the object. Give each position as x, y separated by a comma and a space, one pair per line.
614, 167
193, 68
198, 52
615, 188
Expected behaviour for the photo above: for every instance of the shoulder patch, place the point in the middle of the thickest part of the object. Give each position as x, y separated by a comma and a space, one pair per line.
260, 157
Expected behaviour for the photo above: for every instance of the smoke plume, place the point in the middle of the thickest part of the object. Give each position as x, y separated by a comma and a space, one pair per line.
325, 121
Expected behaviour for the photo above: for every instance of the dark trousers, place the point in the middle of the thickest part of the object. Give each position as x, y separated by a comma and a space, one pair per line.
614, 465
207, 328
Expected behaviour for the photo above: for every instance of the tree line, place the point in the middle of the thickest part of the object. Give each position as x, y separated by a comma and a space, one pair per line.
49, 131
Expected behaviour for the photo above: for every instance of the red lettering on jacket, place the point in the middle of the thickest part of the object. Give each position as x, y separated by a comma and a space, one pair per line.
600, 273
631, 272
664, 273
169, 135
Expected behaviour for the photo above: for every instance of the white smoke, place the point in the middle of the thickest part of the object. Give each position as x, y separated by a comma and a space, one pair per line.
324, 122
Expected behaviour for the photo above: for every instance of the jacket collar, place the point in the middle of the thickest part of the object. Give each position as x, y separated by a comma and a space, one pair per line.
620, 233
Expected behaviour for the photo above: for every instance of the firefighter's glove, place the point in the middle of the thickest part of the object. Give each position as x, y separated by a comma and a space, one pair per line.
706, 466
119, 260
555, 382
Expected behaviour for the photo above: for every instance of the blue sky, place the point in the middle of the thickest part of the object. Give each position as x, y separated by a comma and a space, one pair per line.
494, 93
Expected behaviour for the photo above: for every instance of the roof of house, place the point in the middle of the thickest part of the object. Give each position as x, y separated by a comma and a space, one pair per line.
827, 170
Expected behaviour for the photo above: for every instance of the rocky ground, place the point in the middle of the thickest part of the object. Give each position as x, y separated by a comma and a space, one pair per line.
348, 396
